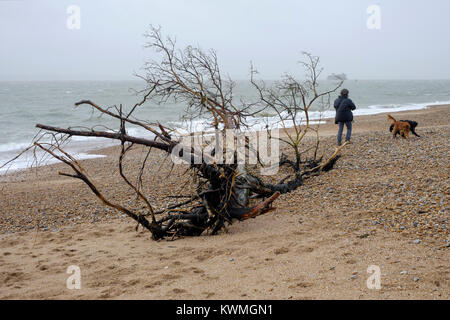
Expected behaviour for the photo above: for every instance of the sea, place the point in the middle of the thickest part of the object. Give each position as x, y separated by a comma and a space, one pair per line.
24, 104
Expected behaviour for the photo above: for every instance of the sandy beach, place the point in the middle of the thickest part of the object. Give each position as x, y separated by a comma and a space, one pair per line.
386, 203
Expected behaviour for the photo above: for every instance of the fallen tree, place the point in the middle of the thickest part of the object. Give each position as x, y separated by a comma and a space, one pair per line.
224, 189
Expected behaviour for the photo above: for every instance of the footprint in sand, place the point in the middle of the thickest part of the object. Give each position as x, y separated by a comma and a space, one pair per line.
10, 243
178, 291
281, 251
11, 278
153, 284
171, 276
132, 282
105, 294
194, 270
306, 249
43, 267
301, 285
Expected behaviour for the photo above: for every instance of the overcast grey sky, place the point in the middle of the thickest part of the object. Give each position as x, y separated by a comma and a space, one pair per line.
413, 42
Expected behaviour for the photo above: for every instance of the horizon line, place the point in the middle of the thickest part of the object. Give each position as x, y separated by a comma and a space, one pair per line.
237, 79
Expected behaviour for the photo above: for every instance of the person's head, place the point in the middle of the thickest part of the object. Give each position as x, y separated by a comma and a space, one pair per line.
344, 92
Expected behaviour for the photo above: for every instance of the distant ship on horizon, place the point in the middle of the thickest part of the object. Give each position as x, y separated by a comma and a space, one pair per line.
340, 76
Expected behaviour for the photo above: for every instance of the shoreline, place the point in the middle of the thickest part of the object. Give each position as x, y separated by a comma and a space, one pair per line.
327, 125
93, 150
384, 204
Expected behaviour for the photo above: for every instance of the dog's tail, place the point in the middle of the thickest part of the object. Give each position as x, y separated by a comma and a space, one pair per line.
391, 118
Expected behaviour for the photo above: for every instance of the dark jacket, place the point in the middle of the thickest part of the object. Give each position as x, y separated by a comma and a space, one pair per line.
344, 107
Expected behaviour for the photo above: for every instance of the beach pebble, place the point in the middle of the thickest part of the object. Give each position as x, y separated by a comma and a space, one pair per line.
404, 272
417, 241
416, 279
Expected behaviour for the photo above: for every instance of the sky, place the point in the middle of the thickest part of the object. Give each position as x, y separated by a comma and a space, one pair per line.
405, 39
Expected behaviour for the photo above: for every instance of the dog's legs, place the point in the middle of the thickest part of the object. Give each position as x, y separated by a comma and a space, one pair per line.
395, 132
402, 133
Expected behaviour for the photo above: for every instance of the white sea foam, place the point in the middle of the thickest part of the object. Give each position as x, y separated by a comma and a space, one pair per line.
28, 161
13, 146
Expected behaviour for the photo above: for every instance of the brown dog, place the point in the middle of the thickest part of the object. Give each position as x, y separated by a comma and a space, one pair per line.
401, 127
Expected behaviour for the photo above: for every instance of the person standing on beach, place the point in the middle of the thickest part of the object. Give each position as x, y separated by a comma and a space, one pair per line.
344, 107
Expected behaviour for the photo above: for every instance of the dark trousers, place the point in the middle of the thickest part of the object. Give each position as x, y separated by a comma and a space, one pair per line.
341, 129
